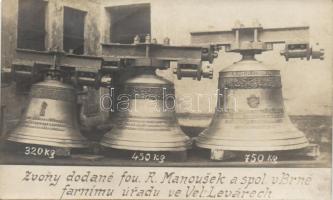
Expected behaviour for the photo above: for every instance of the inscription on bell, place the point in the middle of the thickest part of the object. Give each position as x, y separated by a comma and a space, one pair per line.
251, 73
253, 101
54, 93
43, 109
252, 82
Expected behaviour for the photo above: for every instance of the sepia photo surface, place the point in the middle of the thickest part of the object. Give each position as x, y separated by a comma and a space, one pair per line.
142, 99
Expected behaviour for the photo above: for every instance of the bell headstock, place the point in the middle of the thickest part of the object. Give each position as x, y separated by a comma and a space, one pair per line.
34, 65
150, 54
255, 39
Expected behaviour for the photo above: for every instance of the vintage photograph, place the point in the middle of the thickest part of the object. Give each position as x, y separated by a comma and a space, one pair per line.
166, 99
160, 83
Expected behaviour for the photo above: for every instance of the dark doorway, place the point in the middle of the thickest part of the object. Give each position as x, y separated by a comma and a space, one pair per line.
31, 24
129, 21
74, 30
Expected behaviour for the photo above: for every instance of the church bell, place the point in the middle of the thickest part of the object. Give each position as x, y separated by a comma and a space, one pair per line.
144, 117
50, 118
250, 113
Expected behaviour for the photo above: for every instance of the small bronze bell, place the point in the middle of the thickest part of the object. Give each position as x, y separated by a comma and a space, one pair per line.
50, 118
144, 117
250, 112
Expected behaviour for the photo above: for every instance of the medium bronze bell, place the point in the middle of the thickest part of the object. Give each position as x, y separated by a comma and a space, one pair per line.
250, 112
50, 118
144, 117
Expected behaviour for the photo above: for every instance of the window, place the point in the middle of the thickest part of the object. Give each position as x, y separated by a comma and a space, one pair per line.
31, 24
74, 30
129, 21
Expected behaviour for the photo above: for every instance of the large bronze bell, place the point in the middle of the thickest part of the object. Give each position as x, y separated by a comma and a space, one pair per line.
250, 114
144, 117
50, 118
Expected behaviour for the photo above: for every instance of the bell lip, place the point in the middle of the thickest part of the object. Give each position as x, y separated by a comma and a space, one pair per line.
183, 143
182, 147
80, 144
253, 148
129, 148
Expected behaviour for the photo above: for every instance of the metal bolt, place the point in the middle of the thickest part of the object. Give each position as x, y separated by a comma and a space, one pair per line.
136, 39
166, 41
147, 38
